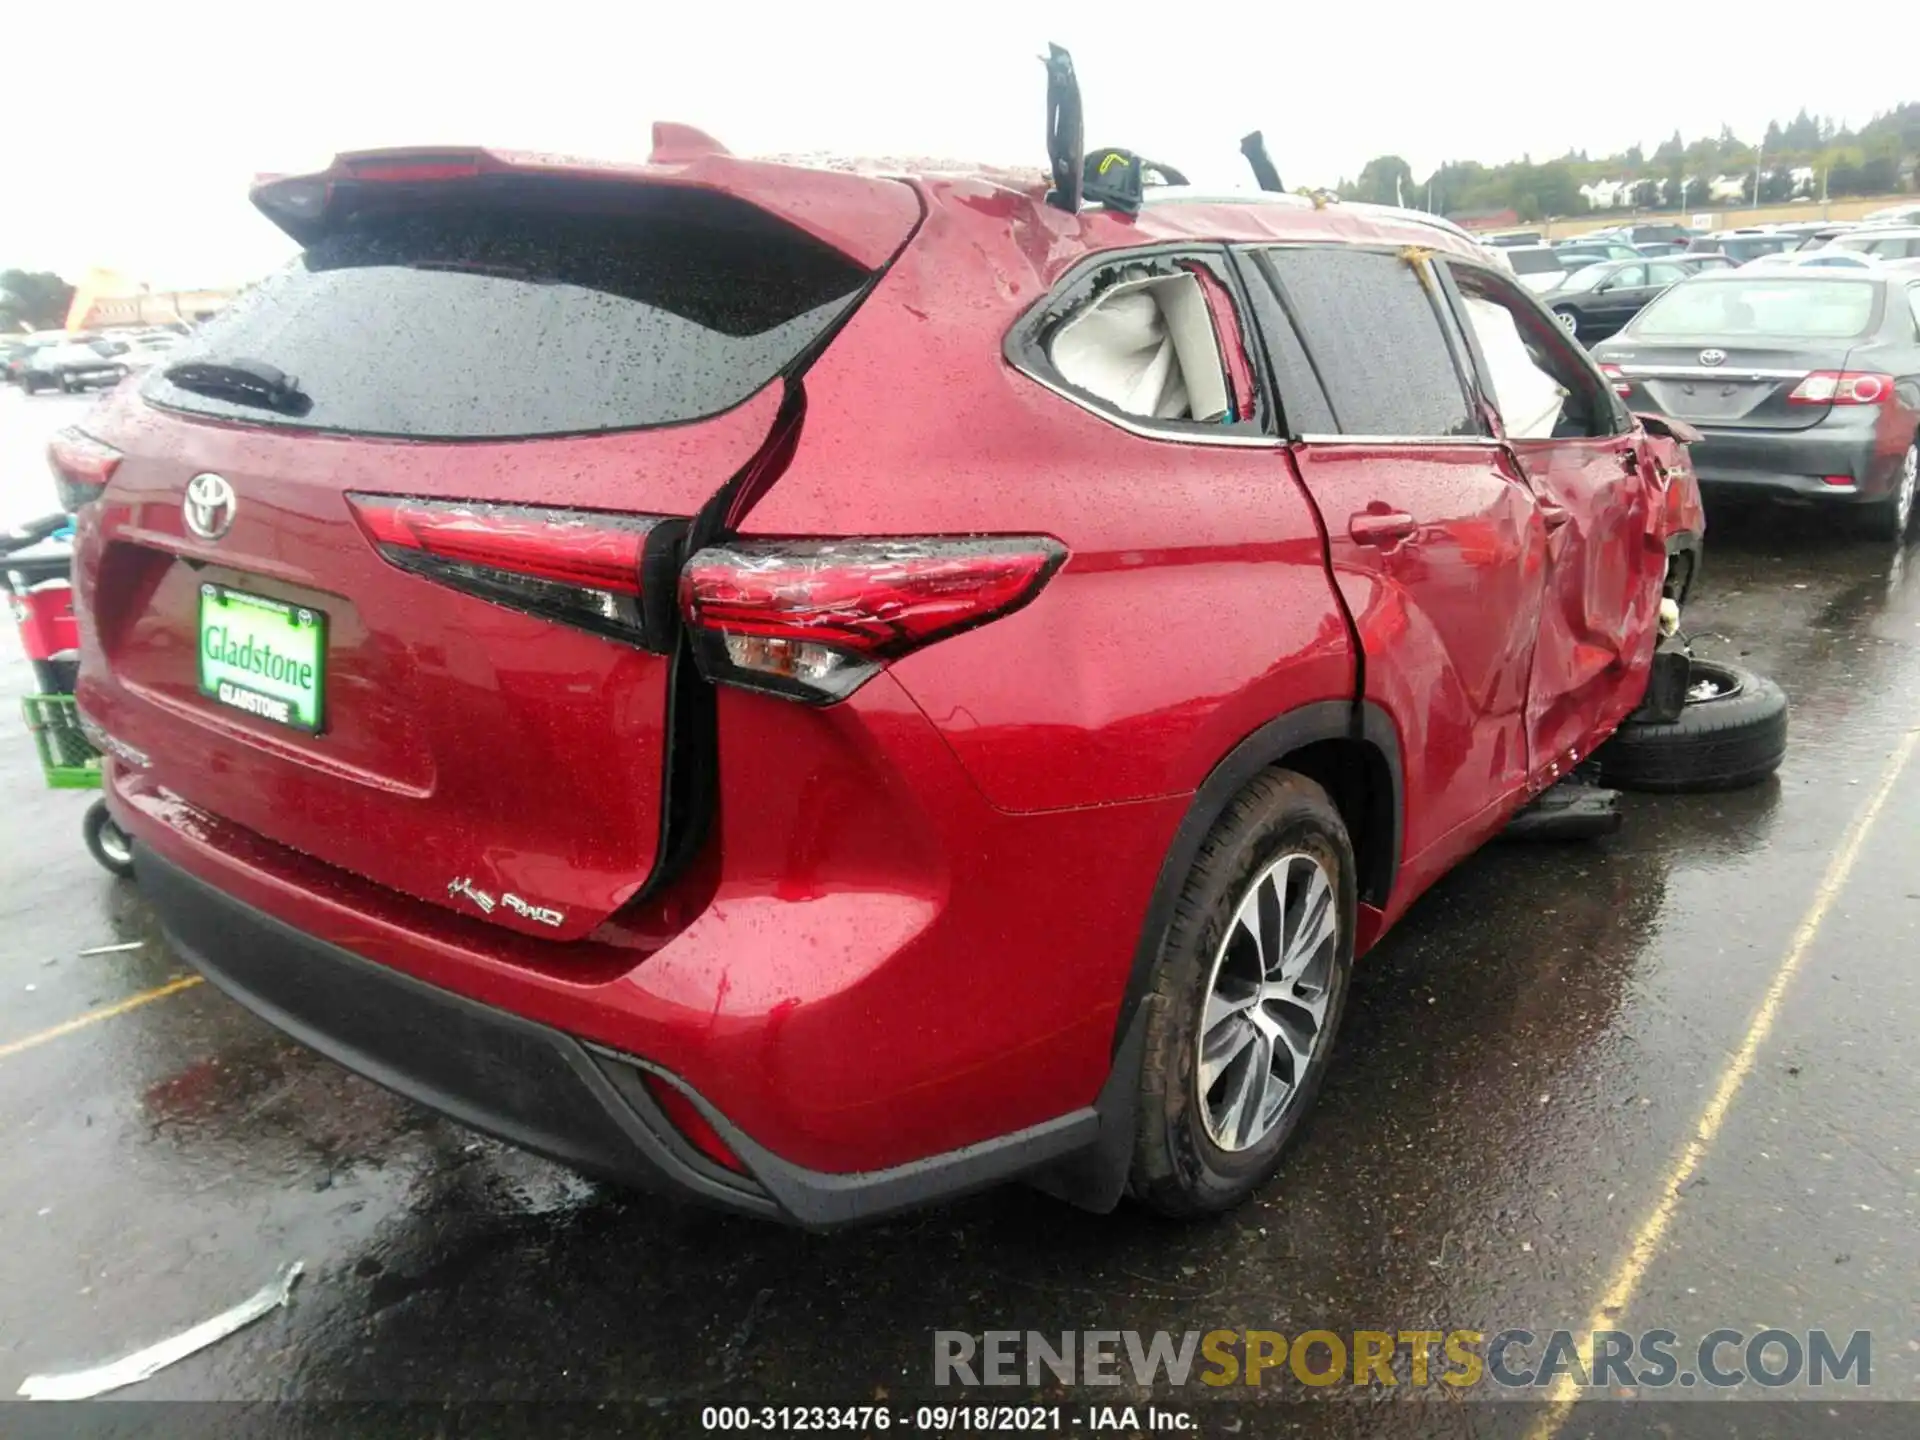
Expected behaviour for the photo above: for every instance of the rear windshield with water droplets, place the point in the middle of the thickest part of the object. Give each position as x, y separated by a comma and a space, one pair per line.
514, 316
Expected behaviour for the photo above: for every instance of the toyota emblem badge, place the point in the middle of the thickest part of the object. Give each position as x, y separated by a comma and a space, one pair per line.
209, 506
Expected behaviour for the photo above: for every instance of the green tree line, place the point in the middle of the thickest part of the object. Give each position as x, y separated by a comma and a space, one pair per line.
1880, 158
33, 300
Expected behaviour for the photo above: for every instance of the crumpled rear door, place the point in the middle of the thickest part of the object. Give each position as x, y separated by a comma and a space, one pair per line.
1606, 559
1603, 506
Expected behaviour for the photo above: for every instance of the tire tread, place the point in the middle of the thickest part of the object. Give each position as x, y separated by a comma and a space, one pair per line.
1721, 745
1155, 1180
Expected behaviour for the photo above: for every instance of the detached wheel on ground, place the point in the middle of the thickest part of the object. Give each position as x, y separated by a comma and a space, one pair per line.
107, 842
1732, 732
1245, 998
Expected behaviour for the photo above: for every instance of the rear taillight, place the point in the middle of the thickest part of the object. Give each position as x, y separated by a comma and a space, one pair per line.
582, 567
1842, 387
1617, 378
82, 466
815, 619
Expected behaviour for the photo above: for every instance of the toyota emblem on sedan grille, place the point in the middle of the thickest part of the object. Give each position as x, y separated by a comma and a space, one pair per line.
208, 507
1713, 357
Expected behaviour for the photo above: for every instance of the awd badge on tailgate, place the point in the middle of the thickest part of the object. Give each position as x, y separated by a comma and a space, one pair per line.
545, 915
464, 886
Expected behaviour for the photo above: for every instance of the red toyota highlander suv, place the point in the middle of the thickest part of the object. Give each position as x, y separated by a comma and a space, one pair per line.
819, 690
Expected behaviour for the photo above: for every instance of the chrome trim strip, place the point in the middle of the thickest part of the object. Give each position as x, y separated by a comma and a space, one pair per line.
1486, 441
1708, 372
1149, 431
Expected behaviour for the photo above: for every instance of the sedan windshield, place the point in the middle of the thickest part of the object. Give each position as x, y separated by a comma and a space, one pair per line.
1801, 309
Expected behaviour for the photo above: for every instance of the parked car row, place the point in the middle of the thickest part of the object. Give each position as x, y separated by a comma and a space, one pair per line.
73, 360
1594, 285
1544, 265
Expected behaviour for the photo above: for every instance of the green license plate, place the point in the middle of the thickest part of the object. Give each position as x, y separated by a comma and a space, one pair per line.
263, 657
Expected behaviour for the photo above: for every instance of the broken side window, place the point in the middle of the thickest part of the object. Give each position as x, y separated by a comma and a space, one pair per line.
1540, 389
1145, 344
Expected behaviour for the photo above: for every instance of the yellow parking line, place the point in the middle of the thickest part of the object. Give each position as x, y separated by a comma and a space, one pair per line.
105, 1012
1607, 1314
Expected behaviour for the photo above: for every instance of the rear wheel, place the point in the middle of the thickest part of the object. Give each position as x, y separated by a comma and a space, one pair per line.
107, 842
1892, 518
1731, 732
1245, 998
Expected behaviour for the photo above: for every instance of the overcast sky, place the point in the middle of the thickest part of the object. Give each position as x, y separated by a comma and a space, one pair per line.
134, 129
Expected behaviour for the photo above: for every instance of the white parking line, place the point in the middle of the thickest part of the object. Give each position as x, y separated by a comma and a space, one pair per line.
1646, 1242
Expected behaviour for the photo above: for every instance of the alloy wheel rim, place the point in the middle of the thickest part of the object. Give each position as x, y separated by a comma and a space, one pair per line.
114, 844
1267, 996
1569, 322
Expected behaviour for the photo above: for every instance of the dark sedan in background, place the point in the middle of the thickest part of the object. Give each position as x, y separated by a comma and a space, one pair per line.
1597, 300
1804, 385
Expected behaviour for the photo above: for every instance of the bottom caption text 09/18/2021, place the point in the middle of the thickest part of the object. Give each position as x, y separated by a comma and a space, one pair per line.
951, 1419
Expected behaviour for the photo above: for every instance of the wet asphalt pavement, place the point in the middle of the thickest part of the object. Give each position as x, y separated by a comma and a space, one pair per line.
1524, 1063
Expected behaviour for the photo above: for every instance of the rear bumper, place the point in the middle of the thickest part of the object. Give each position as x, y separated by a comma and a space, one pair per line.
91, 375
538, 1087
1795, 463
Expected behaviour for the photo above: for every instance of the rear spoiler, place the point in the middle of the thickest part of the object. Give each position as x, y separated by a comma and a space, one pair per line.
865, 217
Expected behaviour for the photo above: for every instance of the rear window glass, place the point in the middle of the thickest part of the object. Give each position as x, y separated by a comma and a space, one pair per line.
1809, 309
565, 311
1375, 341
1749, 247
1534, 262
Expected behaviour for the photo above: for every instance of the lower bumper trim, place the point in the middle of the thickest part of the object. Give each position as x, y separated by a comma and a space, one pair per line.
541, 1089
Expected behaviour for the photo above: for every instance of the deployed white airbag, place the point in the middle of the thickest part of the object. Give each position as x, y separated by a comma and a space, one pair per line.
1528, 397
1147, 346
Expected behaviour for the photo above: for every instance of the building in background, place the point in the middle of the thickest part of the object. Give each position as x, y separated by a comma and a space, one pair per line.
105, 298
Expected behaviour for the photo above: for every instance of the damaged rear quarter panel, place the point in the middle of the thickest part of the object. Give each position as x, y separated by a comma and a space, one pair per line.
1194, 605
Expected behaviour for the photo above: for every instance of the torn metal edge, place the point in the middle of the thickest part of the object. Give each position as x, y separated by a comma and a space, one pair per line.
131, 1369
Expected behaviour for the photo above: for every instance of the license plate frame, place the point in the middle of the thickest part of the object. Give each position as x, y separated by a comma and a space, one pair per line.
246, 673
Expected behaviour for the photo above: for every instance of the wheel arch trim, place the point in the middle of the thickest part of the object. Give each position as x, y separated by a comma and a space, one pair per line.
1268, 746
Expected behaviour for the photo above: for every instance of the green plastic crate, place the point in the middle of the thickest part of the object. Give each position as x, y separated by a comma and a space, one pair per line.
66, 755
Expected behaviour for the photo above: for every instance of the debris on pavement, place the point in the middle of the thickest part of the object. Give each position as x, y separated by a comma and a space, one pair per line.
114, 949
84, 1384
1570, 810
